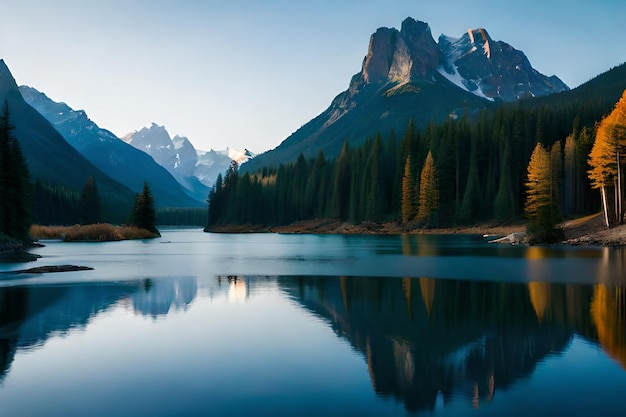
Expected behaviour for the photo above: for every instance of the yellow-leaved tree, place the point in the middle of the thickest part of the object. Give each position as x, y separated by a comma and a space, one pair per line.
428, 194
541, 206
607, 160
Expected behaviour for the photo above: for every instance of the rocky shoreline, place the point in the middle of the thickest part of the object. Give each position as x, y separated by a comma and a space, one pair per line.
589, 231
331, 226
13, 246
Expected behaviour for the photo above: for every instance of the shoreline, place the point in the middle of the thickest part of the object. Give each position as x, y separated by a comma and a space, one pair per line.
585, 231
331, 226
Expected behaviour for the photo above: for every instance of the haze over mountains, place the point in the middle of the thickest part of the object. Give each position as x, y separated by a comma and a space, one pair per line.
195, 170
122, 162
50, 158
407, 74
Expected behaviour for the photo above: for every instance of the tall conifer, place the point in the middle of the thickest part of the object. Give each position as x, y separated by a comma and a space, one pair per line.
429, 193
15, 201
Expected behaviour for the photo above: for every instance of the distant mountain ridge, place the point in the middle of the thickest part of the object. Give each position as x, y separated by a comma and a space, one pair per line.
195, 169
121, 161
50, 158
407, 74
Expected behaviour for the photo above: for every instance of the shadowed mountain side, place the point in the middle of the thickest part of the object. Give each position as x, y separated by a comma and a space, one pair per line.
49, 157
422, 336
406, 74
122, 162
599, 94
374, 109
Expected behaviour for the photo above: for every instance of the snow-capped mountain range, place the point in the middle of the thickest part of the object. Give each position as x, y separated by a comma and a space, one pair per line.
122, 162
191, 167
407, 74
492, 69
178, 174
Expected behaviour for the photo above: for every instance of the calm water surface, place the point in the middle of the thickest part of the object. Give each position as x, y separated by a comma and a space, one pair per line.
197, 324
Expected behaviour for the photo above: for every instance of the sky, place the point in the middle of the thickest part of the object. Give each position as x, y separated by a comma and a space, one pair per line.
246, 73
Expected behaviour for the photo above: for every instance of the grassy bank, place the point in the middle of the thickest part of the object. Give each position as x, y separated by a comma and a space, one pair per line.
91, 233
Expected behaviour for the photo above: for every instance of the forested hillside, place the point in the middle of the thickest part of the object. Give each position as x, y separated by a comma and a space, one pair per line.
469, 169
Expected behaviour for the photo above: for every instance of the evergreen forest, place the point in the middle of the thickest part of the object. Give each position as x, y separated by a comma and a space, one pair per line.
469, 169
15, 205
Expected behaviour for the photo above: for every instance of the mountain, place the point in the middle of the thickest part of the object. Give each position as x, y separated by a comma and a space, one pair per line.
240, 156
177, 155
407, 74
210, 164
196, 170
49, 157
122, 162
492, 69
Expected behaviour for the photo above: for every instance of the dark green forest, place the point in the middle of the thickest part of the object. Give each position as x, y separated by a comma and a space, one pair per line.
479, 174
15, 207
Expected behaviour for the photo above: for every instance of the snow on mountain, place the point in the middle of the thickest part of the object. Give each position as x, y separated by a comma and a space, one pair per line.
123, 162
240, 156
195, 169
492, 69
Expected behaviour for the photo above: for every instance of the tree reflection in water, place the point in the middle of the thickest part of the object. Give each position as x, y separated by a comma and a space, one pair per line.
423, 337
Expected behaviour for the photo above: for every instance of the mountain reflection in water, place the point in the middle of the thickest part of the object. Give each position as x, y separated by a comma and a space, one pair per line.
423, 337
425, 342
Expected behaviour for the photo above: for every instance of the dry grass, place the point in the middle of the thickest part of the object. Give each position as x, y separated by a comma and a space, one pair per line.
93, 233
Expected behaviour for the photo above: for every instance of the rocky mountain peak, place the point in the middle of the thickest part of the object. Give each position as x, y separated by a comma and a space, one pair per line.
424, 50
398, 55
7, 82
492, 69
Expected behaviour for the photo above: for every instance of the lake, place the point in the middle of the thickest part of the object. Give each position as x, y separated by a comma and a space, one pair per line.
196, 324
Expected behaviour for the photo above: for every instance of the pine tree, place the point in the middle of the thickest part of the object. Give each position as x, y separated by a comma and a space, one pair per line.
408, 193
143, 214
90, 203
15, 202
472, 197
374, 207
504, 204
342, 183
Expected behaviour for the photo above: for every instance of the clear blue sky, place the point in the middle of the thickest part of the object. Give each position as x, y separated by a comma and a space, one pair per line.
244, 73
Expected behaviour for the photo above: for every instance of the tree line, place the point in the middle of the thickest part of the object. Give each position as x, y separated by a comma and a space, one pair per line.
465, 170
15, 207
23, 202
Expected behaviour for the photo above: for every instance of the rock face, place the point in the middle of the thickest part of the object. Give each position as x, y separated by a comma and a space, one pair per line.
177, 156
406, 74
493, 69
474, 62
194, 169
399, 55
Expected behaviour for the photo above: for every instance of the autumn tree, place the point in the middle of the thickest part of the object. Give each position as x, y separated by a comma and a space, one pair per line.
429, 193
607, 162
541, 207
